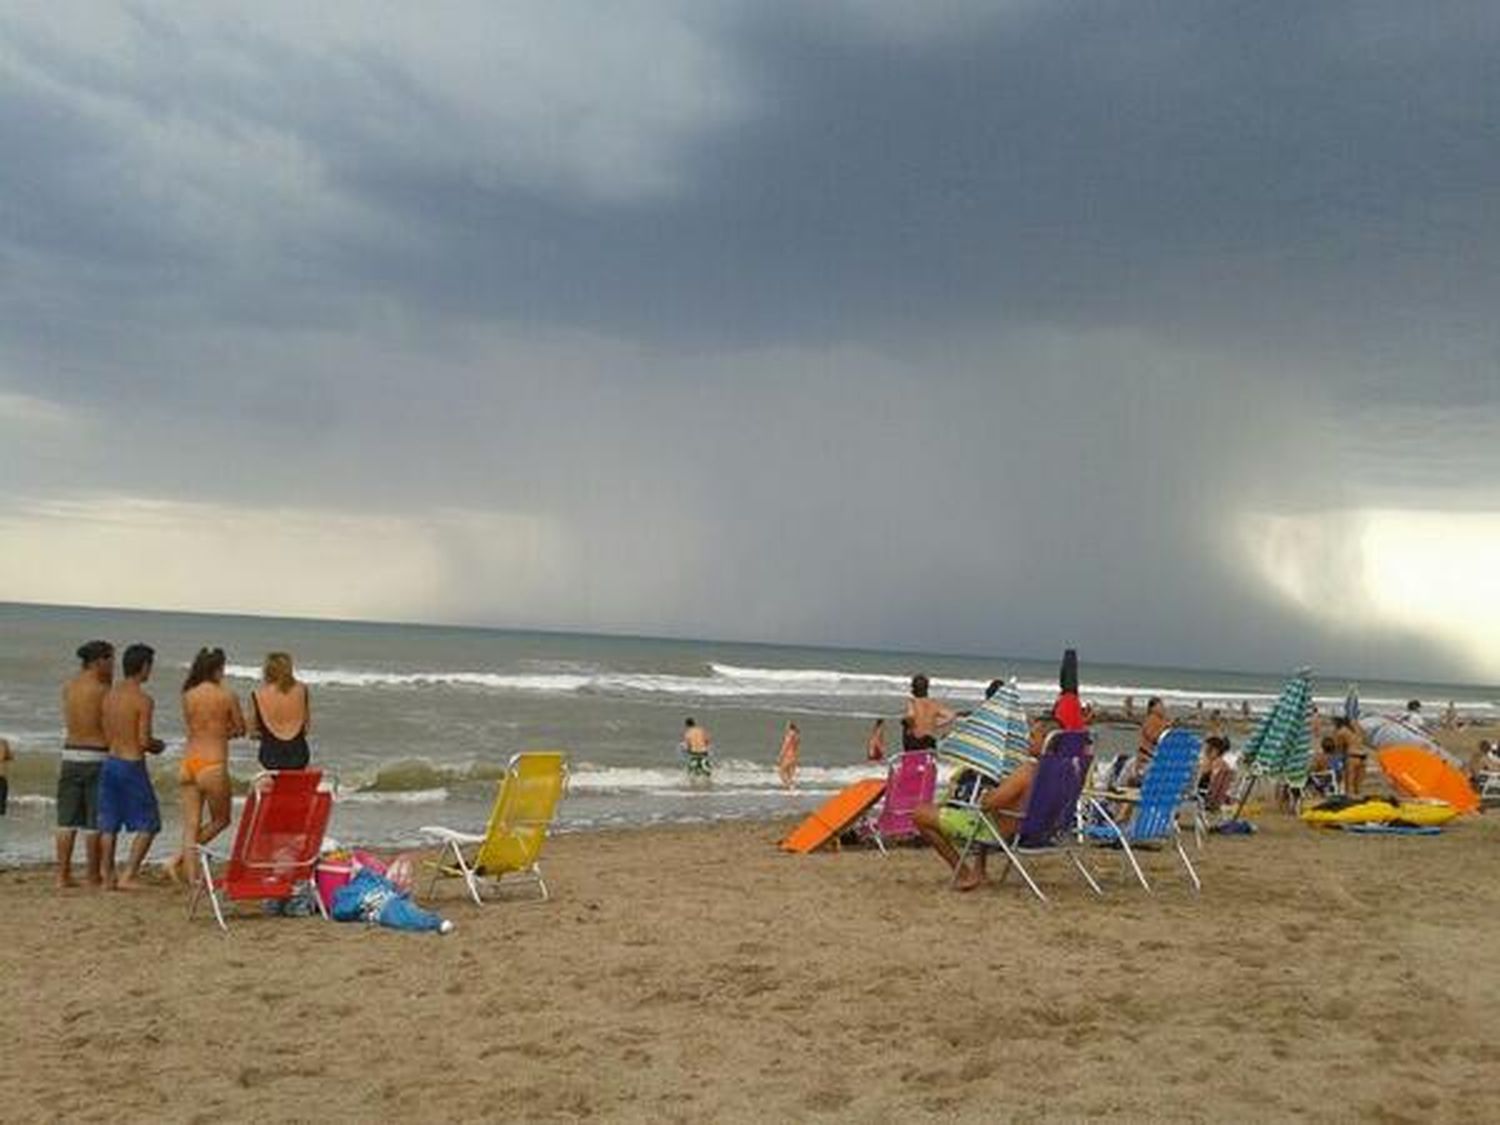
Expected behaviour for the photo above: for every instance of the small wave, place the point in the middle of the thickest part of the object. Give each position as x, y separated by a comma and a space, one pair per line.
416, 775
408, 797
847, 692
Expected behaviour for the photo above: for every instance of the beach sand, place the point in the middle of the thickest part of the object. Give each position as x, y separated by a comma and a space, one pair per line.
688, 974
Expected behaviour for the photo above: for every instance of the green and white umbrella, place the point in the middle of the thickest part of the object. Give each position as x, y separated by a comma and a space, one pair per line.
1281, 746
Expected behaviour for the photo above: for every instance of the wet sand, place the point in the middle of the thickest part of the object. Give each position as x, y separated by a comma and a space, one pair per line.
697, 973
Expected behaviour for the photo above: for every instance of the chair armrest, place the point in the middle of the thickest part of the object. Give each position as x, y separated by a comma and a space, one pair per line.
449, 835
1130, 796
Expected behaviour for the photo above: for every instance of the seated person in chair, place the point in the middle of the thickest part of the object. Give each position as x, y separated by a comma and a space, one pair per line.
1003, 801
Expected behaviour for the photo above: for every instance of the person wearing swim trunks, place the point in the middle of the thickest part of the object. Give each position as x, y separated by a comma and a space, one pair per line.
1348, 741
695, 746
83, 753
924, 717
1005, 803
126, 797
211, 714
281, 716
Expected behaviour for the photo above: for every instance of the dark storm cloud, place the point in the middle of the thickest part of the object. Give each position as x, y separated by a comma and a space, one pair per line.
980, 329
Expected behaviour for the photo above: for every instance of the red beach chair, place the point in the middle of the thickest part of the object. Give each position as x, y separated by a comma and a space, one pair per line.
277, 843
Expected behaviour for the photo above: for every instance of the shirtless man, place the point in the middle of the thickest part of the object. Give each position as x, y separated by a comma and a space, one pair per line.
695, 747
1154, 726
924, 717
211, 715
83, 754
941, 824
126, 797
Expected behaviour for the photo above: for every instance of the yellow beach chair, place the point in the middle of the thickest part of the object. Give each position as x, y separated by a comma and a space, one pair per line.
524, 808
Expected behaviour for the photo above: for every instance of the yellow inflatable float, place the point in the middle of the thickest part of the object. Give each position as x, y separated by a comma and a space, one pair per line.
1339, 811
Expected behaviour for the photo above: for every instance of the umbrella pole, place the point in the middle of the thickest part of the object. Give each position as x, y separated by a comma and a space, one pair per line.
1245, 796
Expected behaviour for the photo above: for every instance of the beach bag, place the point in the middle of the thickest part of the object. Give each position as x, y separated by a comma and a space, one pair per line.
371, 897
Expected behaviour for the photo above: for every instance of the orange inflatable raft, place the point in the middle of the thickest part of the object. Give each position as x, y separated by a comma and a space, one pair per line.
1416, 772
834, 816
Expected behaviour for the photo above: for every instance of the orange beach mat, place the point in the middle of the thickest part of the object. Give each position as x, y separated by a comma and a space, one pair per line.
834, 815
1421, 773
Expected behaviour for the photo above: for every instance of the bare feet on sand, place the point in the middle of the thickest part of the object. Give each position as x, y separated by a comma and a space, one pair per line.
969, 879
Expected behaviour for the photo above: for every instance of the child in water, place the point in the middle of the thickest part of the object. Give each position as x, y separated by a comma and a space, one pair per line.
875, 747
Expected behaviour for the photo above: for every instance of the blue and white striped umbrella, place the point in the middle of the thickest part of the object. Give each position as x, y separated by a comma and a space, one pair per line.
993, 738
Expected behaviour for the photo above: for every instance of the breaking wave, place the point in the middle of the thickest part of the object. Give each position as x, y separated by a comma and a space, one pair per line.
820, 689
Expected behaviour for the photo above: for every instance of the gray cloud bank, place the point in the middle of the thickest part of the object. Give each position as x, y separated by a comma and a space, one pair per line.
987, 330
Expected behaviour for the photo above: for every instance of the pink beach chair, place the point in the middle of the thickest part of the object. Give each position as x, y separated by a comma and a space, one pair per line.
912, 781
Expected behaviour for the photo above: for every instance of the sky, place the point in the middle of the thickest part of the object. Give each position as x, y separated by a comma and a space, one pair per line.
1165, 330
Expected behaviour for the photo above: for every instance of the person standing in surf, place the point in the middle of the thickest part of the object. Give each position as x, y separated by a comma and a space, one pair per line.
127, 799
695, 746
211, 714
786, 761
875, 745
280, 716
83, 753
924, 717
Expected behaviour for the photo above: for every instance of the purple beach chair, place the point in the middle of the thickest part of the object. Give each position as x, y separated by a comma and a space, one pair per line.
1049, 823
911, 782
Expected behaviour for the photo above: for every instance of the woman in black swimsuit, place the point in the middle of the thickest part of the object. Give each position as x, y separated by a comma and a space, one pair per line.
280, 715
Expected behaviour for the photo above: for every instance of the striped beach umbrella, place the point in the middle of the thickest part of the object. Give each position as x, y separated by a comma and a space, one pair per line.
1282, 743
993, 738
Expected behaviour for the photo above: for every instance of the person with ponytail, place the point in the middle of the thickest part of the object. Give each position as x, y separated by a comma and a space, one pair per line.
211, 715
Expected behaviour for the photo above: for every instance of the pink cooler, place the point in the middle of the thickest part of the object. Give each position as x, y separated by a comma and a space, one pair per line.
331, 875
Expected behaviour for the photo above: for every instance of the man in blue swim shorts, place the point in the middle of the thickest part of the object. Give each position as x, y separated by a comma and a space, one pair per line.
126, 798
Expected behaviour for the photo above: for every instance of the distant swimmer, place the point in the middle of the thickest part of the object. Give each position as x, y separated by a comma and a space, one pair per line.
127, 799
211, 714
924, 717
786, 761
875, 744
83, 753
695, 747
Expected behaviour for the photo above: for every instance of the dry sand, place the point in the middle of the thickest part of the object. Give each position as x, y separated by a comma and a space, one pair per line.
697, 973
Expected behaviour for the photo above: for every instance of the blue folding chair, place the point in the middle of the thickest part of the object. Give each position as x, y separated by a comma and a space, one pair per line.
1168, 783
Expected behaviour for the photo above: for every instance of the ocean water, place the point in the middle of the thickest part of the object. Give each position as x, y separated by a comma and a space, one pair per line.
418, 721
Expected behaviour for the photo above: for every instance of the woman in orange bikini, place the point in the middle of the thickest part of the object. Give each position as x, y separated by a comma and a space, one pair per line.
211, 714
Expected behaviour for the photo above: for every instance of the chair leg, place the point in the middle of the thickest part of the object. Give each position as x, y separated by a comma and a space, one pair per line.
470, 879
1187, 863
1085, 872
1015, 861
208, 887
1134, 863
963, 857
